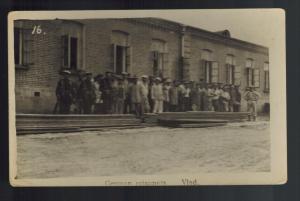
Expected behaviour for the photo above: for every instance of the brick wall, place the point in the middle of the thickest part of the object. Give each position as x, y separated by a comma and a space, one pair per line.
99, 53
96, 56
219, 53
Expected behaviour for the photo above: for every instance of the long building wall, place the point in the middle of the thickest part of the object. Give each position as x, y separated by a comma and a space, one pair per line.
35, 85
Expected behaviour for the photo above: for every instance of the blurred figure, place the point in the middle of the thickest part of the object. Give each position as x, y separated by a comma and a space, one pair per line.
195, 97
187, 97
203, 97
215, 99
63, 94
135, 96
121, 96
98, 108
251, 96
181, 93
173, 93
210, 97
106, 91
87, 93
150, 84
166, 88
157, 96
237, 98
145, 107
114, 94
127, 102
224, 99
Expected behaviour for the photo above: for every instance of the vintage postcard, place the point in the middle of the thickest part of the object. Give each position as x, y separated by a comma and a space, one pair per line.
147, 97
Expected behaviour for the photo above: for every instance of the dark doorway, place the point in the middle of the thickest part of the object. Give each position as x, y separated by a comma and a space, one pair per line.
119, 59
73, 47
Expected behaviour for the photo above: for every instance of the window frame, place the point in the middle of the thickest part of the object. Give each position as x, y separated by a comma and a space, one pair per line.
69, 49
230, 69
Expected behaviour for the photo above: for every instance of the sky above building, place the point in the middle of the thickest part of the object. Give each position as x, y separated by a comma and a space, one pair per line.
259, 26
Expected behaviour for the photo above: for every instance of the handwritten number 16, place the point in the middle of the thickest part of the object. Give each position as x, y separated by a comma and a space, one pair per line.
37, 29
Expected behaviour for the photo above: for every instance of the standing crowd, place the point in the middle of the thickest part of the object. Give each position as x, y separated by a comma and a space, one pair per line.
124, 94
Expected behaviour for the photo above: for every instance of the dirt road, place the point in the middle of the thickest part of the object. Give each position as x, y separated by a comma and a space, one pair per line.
154, 150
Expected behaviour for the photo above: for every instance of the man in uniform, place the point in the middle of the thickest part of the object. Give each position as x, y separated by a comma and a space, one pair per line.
251, 96
107, 89
64, 93
87, 93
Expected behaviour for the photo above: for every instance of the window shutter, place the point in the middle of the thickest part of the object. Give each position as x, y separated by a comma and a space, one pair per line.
256, 77
65, 51
128, 59
113, 57
28, 49
202, 72
215, 71
237, 75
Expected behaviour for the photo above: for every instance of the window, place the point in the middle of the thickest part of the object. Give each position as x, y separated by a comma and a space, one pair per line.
72, 45
70, 52
253, 74
230, 69
121, 51
22, 47
159, 57
209, 71
267, 79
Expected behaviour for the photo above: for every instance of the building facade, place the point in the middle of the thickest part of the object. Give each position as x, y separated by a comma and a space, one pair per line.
139, 46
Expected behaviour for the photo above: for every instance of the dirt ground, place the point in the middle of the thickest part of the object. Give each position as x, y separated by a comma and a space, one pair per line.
240, 147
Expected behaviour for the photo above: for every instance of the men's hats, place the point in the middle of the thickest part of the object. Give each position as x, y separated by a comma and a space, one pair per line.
158, 78
124, 73
144, 77
168, 80
134, 77
65, 72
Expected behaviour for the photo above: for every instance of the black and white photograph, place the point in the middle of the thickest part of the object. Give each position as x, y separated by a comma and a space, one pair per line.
147, 97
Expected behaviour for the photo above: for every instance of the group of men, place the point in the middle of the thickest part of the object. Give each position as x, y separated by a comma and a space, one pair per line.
123, 94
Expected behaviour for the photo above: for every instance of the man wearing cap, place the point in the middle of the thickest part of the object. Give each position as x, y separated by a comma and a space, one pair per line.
251, 96
87, 93
157, 96
166, 88
64, 93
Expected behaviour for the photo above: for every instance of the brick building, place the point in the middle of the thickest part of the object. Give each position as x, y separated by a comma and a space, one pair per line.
137, 45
